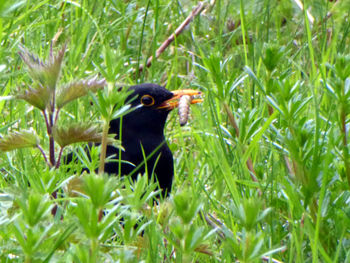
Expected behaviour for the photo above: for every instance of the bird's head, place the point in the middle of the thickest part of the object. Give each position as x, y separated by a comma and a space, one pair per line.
157, 97
152, 104
148, 96
153, 99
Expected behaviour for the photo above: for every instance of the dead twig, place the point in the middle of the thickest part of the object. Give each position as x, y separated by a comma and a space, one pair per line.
213, 225
196, 11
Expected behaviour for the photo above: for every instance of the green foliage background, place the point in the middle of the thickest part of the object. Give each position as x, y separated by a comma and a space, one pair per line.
262, 169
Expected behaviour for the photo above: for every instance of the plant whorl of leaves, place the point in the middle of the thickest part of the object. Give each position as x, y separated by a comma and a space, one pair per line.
45, 72
78, 89
78, 132
19, 139
49, 98
37, 97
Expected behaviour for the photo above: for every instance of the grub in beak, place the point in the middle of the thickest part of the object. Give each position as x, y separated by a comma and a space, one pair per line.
182, 99
184, 108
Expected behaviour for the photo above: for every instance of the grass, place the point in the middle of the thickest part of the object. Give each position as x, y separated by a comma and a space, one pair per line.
262, 169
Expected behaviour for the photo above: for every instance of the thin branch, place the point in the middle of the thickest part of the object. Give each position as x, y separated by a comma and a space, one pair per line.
196, 11
213, 225
56, 116
232, 119
43, 154
288, 165
48, 128
52, 110
48, 122
52, 150
56, 36
58, 163
51, 122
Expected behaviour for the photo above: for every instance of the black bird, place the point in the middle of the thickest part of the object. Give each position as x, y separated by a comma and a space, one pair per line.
142, 135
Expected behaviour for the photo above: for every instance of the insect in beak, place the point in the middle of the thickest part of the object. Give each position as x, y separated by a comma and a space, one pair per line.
182, 99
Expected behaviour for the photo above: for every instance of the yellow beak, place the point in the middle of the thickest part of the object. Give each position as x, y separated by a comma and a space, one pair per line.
174, 101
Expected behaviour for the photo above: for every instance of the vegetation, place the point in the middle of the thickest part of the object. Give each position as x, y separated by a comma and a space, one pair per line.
262, 169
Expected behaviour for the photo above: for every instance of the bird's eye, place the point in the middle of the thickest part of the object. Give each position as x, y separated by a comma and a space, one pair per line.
147, 100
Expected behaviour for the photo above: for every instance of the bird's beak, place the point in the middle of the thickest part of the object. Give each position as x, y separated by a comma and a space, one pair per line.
173, 102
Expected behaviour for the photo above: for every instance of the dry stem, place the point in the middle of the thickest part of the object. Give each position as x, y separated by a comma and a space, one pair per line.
196, 11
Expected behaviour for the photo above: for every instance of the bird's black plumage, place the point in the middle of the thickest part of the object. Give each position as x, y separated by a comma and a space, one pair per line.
142, 135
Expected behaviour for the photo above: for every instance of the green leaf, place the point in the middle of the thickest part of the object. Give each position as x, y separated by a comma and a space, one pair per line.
177, 228
39, 97
194, 238
78, 132
249, 212
138, 192
186, 206
6, 7
99, 188
100, 103
255, 78
60, 240
88, 217
17, 140
44, 72
342, 66
272, 56
78, 89
35, 207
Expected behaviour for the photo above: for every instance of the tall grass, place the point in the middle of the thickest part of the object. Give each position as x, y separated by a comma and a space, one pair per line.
262, 169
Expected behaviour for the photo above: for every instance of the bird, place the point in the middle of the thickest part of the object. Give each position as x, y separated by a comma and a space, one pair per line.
142, 135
